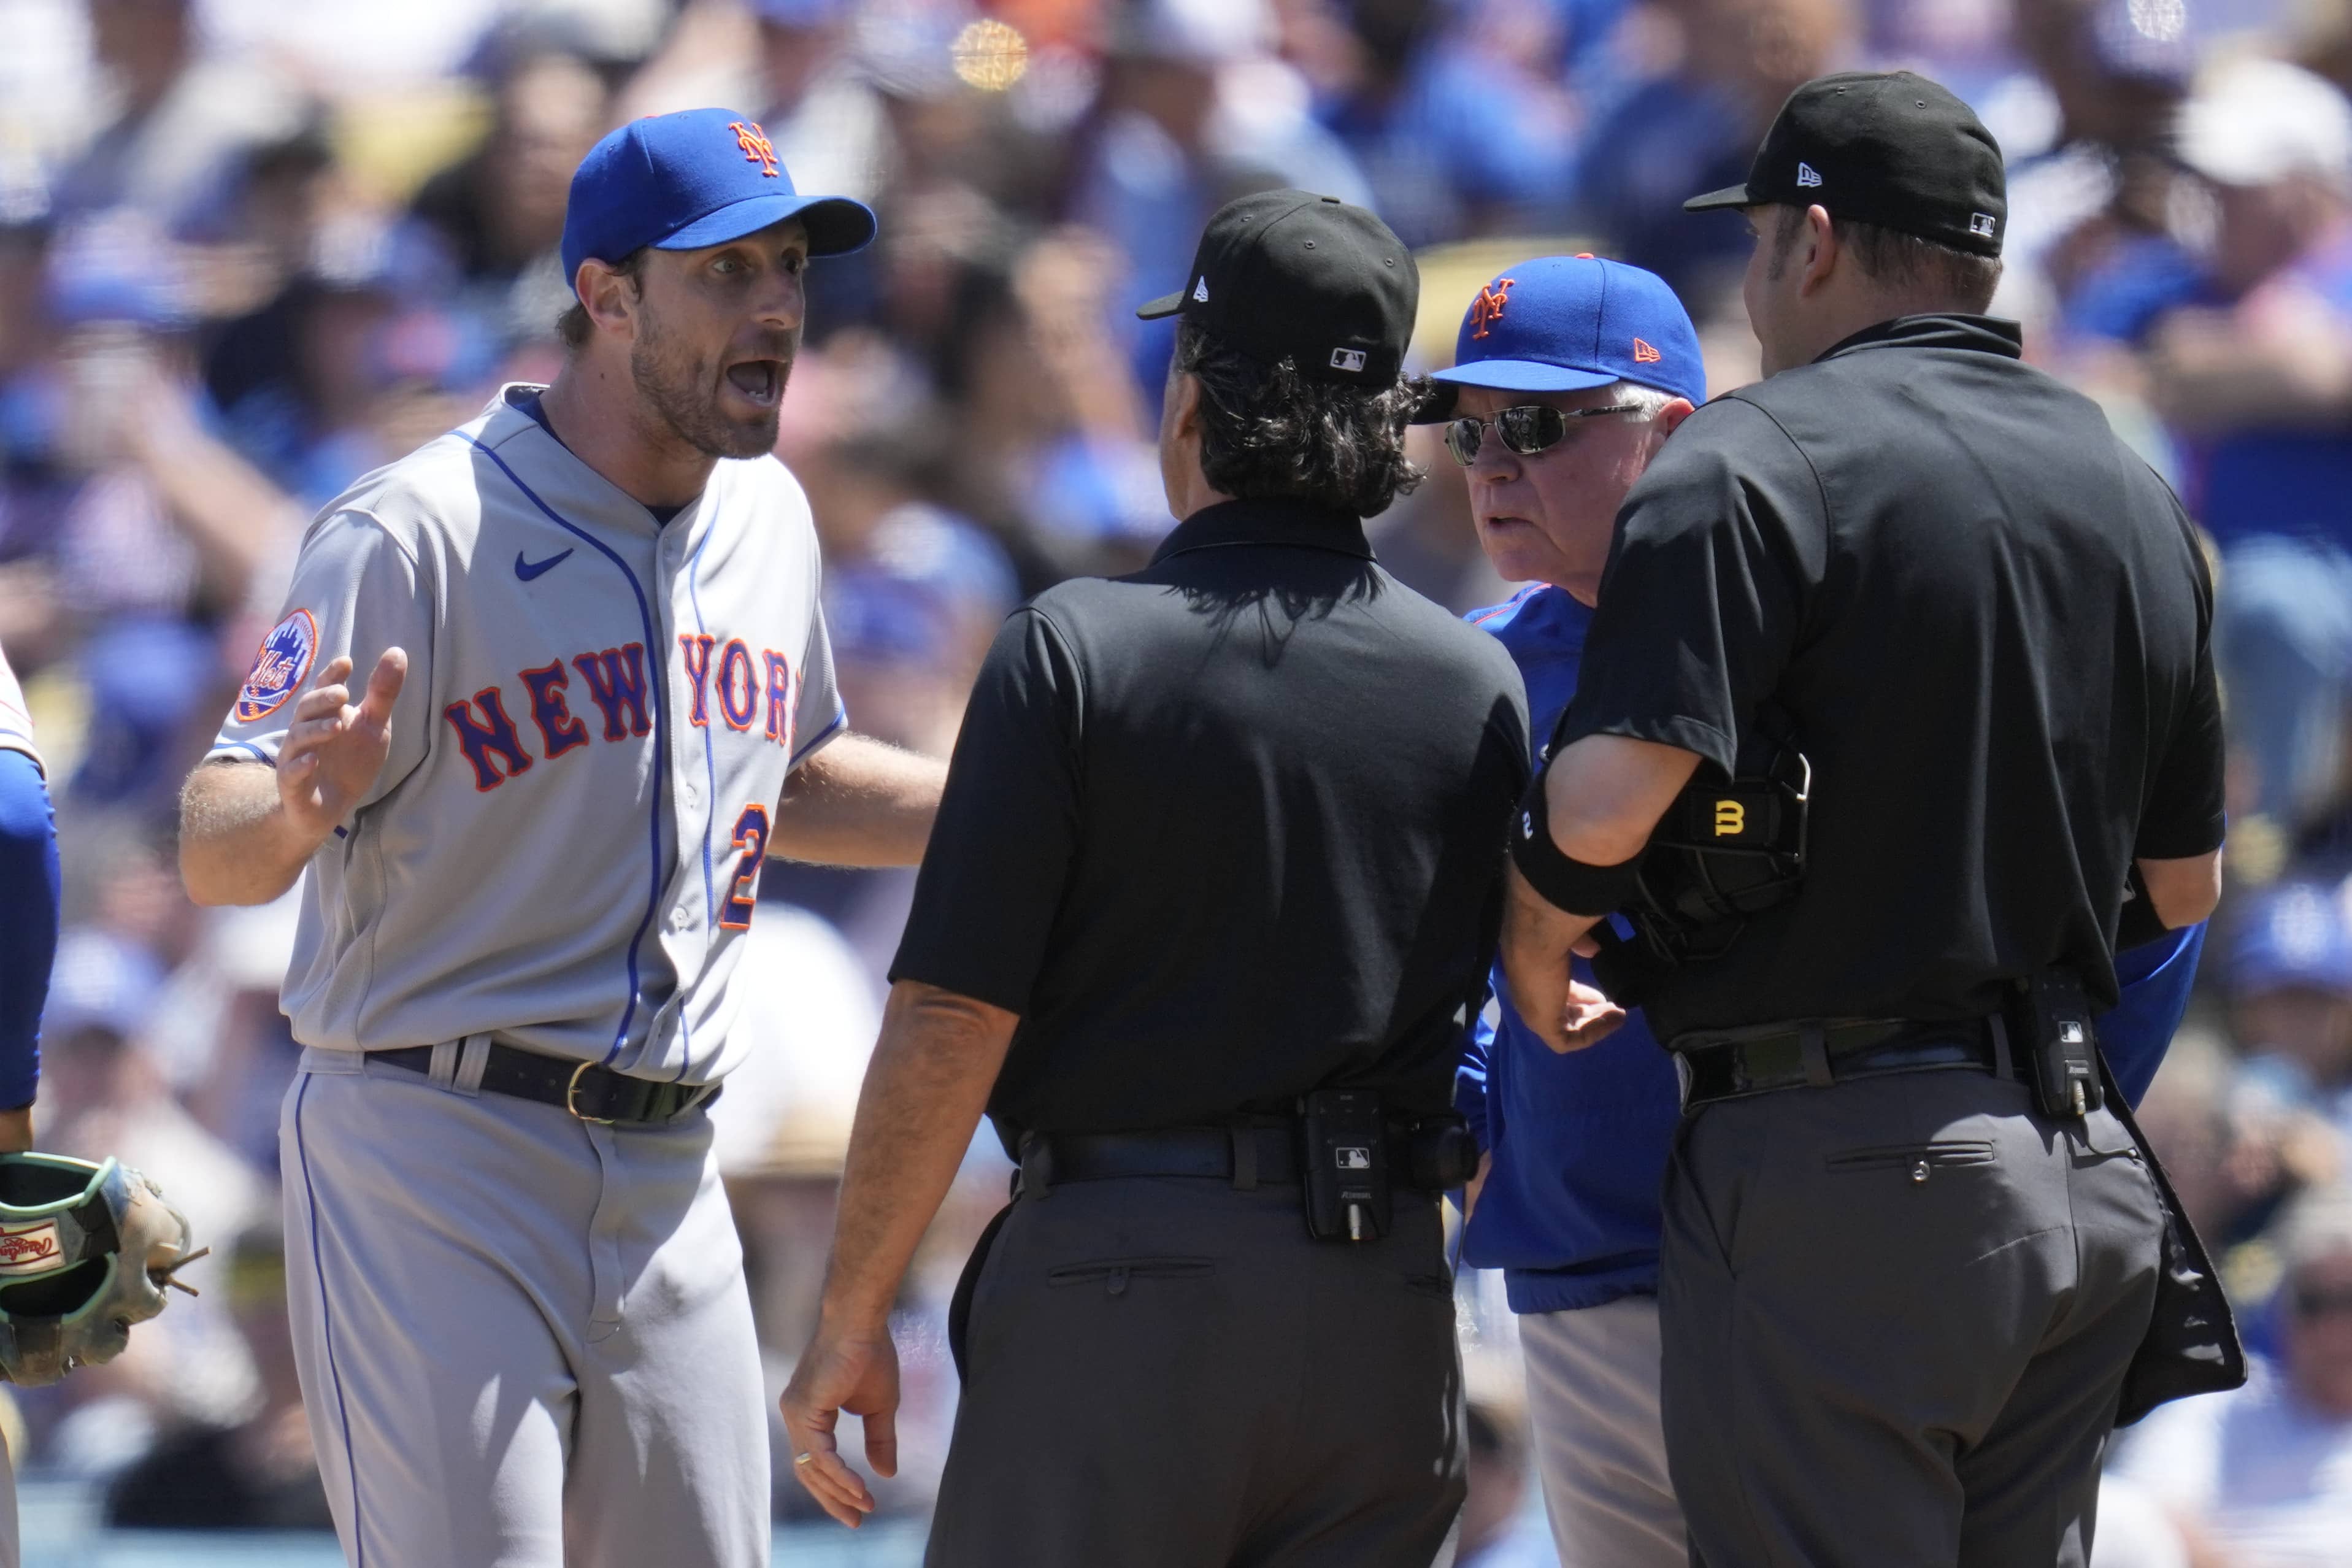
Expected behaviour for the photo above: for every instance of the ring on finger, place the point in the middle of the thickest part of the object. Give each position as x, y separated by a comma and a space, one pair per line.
804, 1459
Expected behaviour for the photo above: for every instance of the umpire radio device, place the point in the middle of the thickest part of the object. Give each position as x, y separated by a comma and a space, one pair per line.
1354, 1153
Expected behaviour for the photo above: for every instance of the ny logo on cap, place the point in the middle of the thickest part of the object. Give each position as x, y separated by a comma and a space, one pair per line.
1980, 222
1805, 176
1643, 353
1201, 291
755, 144
1487, 307
1348, 359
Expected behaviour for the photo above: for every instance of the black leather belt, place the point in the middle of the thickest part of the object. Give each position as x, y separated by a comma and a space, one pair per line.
1244, 1157
590, 1092
1713, 1069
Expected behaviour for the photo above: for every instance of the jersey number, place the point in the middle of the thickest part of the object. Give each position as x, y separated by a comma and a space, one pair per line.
751, 837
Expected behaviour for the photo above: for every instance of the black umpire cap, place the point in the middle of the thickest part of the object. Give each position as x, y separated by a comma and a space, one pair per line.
1888, 148
1292, 275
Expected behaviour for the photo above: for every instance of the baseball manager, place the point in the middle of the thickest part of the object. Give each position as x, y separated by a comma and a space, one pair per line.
1575, 1144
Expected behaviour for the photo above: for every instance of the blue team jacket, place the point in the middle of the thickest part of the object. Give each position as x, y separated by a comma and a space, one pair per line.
1569, 1211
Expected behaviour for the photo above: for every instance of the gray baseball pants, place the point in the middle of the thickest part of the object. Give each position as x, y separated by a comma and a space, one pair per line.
1167, 1372
1599, 1445
524, 1340
1895, 1315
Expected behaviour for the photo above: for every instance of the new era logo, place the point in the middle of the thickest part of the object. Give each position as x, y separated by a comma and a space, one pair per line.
1805, 176
1200, 290
1980, 222
1347, 359
1643, 353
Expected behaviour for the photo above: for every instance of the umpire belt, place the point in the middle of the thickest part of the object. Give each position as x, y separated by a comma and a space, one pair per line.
1246, 1157
590, 1092
1714, 1066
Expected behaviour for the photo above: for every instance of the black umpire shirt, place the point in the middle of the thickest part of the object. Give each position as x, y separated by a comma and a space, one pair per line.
1224, 831
1989, 623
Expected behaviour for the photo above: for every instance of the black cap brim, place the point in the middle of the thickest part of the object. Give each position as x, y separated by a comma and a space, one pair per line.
1166, 305
1729, 196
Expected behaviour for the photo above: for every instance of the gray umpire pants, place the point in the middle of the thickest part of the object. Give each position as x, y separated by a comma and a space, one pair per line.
1895, 1315
1168, 1372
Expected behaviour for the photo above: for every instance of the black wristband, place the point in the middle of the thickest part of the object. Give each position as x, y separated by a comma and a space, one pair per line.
1570, 886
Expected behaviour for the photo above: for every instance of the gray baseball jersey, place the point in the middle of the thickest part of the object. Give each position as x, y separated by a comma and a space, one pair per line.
601, 711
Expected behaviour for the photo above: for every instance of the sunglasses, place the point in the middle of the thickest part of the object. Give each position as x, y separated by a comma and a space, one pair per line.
1530, 428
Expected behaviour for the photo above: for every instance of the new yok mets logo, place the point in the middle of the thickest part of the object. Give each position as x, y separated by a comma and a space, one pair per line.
1487, 307
757, 149
279, 667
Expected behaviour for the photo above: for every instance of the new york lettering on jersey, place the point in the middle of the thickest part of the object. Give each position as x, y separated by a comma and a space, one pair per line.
614, 681
600, 713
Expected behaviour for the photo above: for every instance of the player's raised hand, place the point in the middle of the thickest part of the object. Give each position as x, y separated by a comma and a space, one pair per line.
842, 1373
334, 748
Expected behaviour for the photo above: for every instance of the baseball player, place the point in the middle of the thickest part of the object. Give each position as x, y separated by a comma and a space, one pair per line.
599, 694
28, 944
1576, 1145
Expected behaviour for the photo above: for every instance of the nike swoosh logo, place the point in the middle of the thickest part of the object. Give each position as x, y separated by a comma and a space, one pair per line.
527, 570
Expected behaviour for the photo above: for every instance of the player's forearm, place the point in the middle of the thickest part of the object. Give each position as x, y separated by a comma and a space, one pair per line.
929, 1079
236, 846
859, 802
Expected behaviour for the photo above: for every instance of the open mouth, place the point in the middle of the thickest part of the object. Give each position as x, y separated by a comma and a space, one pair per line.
1505, 520
761, 380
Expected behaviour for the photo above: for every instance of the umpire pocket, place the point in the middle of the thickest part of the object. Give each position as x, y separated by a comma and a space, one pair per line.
1915, 1158
1114, 1273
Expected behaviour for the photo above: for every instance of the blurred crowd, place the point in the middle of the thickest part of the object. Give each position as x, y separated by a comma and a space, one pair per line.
249, 251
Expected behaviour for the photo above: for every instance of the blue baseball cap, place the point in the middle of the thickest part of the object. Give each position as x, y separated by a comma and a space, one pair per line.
679, 182
2295, 934
1563, 323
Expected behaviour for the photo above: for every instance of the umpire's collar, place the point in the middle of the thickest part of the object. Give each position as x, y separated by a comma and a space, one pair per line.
1984, 334
1282, 519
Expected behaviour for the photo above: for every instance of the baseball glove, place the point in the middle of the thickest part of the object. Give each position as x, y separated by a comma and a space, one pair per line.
85, 1252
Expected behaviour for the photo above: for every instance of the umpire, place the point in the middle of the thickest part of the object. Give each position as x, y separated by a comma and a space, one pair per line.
1908, 1257
1202, 919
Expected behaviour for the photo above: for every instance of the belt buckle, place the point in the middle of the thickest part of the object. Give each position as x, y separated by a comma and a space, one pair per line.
571, 1095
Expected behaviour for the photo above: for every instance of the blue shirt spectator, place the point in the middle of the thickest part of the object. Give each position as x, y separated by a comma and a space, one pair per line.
1455, 137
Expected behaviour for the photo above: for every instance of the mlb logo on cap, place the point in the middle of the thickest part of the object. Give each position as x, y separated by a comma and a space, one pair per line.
1564, 323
